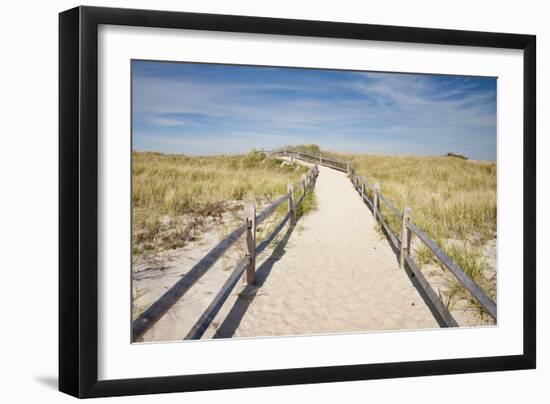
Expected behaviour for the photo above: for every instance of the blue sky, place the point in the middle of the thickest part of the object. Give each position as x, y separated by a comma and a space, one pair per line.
201, 109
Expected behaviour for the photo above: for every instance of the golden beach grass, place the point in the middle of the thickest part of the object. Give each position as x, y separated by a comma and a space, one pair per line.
169, 189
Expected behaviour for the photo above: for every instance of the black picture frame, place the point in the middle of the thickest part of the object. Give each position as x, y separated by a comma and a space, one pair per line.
78, 200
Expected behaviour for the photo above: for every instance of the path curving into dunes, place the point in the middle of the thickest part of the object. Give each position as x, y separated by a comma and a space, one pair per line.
332, 273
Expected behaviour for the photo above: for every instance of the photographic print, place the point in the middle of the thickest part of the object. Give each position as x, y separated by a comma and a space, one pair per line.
248, 201
277, 201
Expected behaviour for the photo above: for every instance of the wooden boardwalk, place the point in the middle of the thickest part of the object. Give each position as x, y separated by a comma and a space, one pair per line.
333, 272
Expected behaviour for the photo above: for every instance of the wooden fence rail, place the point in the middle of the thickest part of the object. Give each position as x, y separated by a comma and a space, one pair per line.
313, 158
178, 290
403, 246
479, 295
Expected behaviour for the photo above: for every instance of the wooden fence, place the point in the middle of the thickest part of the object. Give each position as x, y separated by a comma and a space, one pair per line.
339, 165
245, 266
402, 243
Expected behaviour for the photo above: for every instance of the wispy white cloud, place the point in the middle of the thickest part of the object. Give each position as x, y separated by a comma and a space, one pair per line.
166, 121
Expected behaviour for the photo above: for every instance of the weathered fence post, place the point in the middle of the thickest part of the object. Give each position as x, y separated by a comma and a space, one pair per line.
314, 174
304, 184
250, 218
290, 189
363, 184
405, 235
376, 199
409, 232
348, 168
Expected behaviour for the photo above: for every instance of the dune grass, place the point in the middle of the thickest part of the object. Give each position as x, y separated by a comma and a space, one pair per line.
450, 197
309, 204
172, 195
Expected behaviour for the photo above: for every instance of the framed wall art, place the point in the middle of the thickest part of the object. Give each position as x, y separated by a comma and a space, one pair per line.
250, 201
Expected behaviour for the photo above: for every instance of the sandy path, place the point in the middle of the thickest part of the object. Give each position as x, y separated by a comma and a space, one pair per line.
333, 273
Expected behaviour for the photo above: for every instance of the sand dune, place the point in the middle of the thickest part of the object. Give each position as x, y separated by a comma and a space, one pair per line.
332, 272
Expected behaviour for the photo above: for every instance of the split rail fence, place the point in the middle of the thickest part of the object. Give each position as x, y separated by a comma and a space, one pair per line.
402, 244
245, 267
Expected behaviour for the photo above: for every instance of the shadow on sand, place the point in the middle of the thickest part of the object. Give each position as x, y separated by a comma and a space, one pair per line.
237, 312
415, 282
412, 277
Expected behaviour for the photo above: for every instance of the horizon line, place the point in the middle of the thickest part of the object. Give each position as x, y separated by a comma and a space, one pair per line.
217, 154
